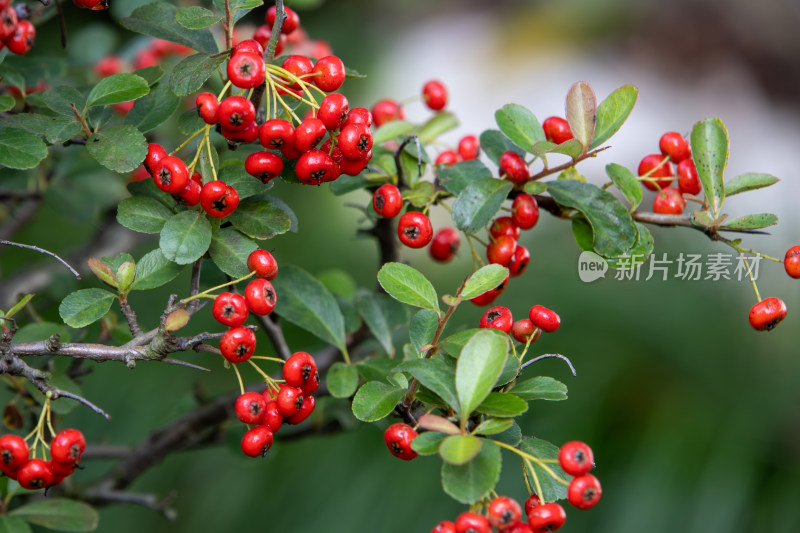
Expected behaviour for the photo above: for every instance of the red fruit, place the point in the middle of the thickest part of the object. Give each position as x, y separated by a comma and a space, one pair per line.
523, 329
264, 165
246, 69
298, 65
305, 410
260, 296
273, 418
87, 4
329, 73
387, 200
67, 446
576, 458
497, 317
513, 167
8, 22
504, 226
584, 491
398, 439
767, 313
531, 503
123, 108
414, 229
444, 527
262, 36
108, 66
434, 94
309, 134
145, 58
791, 262
155, 153
257, 441
288, 151
355, 141
447, 158
290, 400
245, 136
547, 517
299, 369
688, 181
501, 250
385, 111
675, 146
230, 309
445, 244
669, 201
236, 113
333, 111
218, 199
469, 522
276, 133
290, 23
238, 344
13, 451
519, 527
35, 474
171, 174
62, 470
525, 211
544, 318
652, 164
315, 167
251, 46
359, 115
207, 107
490, 296
263, 264
469, 147
520, 261
353, 167
557, 130
503, 512
250, 407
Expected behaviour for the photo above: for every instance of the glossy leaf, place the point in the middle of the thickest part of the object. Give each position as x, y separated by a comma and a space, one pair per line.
342, 380
494, 143
238, 8
422, 328
157, 19
540, 388
116, 89
520, 125
81, 308
479, 202
60, 514
375, 400
455, 178
427, 443
438, 423
511, 436
118, 148
581, 112
13, 524
437, 374
154, 109
493, 426
438, 124
196, 17
503, 405
20, 149
392, 130
143, 214
191, 73
709, 141
229, 250
154, 270
626, 182
459, 449
479, 365
573, 148
535, 187
408, 285
473, 481
552, 490
613, 112
185, 237
751, 222
125, 274
749, 182
483, 280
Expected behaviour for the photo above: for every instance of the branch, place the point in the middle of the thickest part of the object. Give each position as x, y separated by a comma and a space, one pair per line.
274, 331
548, 171
130, 316
269, 56
42, 251
547, 356
101, 496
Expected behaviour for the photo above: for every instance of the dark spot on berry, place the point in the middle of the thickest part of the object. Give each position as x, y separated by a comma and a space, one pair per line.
412, 232
492, 316
219, 205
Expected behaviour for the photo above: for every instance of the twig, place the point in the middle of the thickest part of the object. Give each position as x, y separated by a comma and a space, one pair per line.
61, 21
526, 364
269, 56
130, 316
274, 331
42, 251
59, 393
548, 171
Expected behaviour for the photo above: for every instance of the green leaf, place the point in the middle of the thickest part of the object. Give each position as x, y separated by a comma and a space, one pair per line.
503, 405
494, 143
455, 178
478, 368
614, 231
626, 182
535, 187
420, 194
483, 280
116, 89
157, 19
125, 274
473, 481
185, 237
703, 218
540, 388
511, 436
582, 112
102, 270
613, 112
371, 310
154, 270
437, 374
20, 149
192, 72
510, 370
422, 328
239, 8
709, 141
154, 109
379, 369
118, 148
572, 148
260, 219
81, 308
520, 125
392, 130
493, 426
305, 302
234, 174
438, 124
460, 449
342, 380
749, 182
150, 74
143, 214
59, 129
19, 305
427, 443
59, 514
6, 102
541, 449
456, 342
229, 250
13, 524
196, 18
479, 202
375, 400
408, 285
751, 222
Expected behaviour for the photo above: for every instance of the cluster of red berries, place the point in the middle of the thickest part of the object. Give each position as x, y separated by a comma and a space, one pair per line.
434, 95
17, 33
66, 449
293, 37
767, 313
414, 228
292, 403
675, 150
539, 319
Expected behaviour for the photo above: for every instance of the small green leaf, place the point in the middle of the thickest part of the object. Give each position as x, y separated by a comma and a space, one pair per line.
375, 400
494, 143
613, 112
535, 187
459, 449
192, 72
125, 274
143, 214
493, 426
749, 182
474, 480
81, 308
116, 89
455, 178
239, 8
59, 99
456, 342
540, 388
392, 130
703, 218
437, 374
20, 149
6, 102
185, 237
422, 328
13, 524
260, 219
573, 148
154, 270
342, 380
59, 514
503, 405
196, 18
229, 250
17, 307
626, 182
478, 368
408, 285
420, 194
479, 202
150, 74
427, 443
157, 19
483, 280
751, 222
511, 436
438, 124
520, 125
371, 310
378, 369
176, 320
118, 148
103, 271
709, 141
154, 109
552, 490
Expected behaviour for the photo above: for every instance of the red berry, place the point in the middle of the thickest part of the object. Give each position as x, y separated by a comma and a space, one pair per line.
584, 491
288, 151
8, 22
359, 115
497, 317
305, 410
236, 113
658, 167
355, 141
513, 167
245, 136
171, 174
276, 133
501, 250
576, 458
264, 165
333, 111
490, 296
544, 318
62, 470
444, 527
669, 201
329, 73
108, 66
262, 36
87, 4
353, 167
525, 211
67, 446
414, 229
23, 38
300, 66
434, 94
469, 147
250, 407
445, 244
251, 46
675, 146
387, 200
218, 199
469, 522
246, 69
257, 441
767, 313
273, 418
523, 329
309, 134
315, 167
503, 512
207, 107
531, 503
290, 400
398, 439
13, 451
520, 261
688, 180
504, 226
35, 474
238, 344
447, 158
386, 111
290, 23
557, 130
155, 153
547, 517
263, 264
230, 309
260, 296
299, 369
519, 527
791, 262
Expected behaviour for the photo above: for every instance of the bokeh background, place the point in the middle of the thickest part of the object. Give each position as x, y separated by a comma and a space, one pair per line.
693, 416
